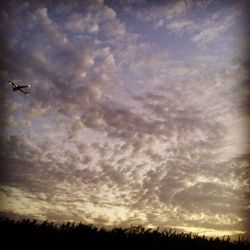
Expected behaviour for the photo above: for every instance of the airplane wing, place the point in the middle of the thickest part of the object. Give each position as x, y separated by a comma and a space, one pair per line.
23, 91
24, 86
13, 84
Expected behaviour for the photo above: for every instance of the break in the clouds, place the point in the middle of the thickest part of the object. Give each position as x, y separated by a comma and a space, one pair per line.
138, 113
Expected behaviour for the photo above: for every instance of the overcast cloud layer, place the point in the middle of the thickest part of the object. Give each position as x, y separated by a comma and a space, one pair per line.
138, 113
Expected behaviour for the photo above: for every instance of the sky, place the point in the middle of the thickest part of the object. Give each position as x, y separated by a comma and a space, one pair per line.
138, 113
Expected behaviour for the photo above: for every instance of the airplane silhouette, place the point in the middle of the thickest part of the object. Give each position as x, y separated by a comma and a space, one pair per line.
16, 87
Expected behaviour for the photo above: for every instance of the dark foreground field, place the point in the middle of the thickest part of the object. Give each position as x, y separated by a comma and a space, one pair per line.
31, 233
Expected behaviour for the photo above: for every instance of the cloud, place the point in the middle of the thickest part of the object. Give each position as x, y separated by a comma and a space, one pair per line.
181, 26
175, 17
50, 28
166, 11
210, 30
113, 174
170, 13
90, 20
76, 129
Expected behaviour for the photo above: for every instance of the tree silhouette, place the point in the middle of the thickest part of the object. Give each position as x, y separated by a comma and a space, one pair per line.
32, 233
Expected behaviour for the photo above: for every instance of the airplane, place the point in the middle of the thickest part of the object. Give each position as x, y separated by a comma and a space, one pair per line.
16, 87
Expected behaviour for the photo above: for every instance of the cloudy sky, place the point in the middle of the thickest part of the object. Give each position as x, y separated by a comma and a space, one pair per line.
138, 113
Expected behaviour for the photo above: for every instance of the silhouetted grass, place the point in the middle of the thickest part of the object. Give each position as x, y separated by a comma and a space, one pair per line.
31, 233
